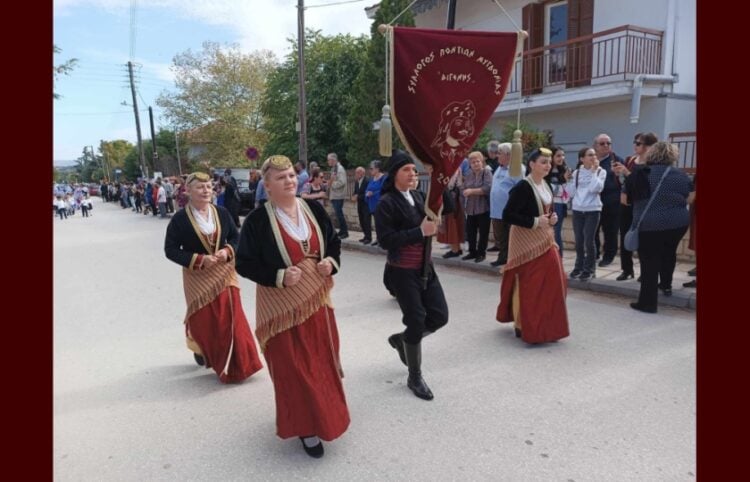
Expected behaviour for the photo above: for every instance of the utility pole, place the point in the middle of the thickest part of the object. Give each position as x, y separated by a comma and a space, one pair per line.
451, 15
153, 137
106, 164
177, 148
144, 171
302, 101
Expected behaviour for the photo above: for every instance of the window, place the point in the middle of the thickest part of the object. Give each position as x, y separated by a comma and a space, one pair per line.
556, 31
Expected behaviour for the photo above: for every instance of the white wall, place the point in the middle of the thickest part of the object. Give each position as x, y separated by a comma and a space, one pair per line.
641, 13
475, 15
680, 115
685, 47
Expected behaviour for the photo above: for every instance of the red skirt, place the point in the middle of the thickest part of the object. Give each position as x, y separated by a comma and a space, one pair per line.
542, 287
223, 337
451, 230
303, 363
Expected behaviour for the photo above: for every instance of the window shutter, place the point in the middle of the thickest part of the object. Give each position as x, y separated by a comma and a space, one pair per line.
533, 22
580, 24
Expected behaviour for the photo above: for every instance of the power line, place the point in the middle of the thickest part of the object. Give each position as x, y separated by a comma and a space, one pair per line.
334, 3
98, 113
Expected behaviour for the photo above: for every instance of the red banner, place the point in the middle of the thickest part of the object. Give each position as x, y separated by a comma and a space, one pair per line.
445, 85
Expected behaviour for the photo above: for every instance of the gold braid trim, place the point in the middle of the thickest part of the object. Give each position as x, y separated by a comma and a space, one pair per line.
203, 286
526, 244
280, 309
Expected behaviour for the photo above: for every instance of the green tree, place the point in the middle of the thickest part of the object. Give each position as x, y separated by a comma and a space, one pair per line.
531, 137
86, 165
131, 166
331, 65
113, 154
484, 138
64, 68
218, 98
369, 86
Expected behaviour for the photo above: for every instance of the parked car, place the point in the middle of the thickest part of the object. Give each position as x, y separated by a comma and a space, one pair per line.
247, 196
93, 189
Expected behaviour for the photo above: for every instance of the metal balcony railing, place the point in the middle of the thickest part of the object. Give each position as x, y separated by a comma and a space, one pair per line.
686, 142
616, 54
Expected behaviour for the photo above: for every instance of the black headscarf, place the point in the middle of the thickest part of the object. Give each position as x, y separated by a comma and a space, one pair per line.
398, 160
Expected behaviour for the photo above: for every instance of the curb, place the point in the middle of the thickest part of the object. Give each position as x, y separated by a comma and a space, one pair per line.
679, 299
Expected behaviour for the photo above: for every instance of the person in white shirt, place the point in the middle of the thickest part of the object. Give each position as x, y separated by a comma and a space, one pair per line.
584, 187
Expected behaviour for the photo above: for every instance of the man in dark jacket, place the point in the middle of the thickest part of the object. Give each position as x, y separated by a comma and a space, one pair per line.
232, 199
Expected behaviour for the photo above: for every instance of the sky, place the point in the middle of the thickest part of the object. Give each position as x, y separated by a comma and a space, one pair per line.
98, 34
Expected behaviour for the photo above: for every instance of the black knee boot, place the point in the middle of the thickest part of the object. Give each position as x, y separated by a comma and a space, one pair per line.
396, 340
414, 361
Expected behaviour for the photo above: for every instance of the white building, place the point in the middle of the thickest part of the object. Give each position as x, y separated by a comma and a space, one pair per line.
592, 66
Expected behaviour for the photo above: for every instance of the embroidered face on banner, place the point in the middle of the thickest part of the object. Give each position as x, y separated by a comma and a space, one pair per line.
445, 86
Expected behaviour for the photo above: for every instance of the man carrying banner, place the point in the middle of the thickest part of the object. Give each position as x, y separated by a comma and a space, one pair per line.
405, 231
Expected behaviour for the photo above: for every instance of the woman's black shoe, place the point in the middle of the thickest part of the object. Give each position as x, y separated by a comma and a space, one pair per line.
623, 276
518, 332
666, 291
315, 452
689, 284
469, 256
479, 258
453, 254
199, 359
638, 307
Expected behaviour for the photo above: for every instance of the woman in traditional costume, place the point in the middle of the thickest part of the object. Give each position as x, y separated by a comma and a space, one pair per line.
290, 249
533, 288
202, 238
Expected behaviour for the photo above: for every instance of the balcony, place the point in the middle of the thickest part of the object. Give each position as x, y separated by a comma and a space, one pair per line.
687, 143
609, 56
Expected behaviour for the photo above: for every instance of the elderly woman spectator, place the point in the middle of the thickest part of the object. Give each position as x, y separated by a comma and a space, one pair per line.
663, 224
451, 230
477, 184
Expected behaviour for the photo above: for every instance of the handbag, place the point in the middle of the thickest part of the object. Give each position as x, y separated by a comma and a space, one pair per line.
631, 237
449, 203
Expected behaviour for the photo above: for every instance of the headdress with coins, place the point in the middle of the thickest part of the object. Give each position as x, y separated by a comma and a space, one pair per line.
197, 176
275, 162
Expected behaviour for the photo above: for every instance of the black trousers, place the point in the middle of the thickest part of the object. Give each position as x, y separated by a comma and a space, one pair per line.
626, 219
657, 251
363, 211
481, 223
423, 309
609, 224
84, 211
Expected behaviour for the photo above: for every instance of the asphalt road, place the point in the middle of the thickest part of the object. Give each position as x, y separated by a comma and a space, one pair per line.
614, 401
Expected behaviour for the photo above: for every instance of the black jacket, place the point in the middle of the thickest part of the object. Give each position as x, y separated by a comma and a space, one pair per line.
258, 255
397, 222
182, 242
360, 191
522, 207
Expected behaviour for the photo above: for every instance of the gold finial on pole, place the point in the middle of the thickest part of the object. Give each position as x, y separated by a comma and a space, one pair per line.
516, 154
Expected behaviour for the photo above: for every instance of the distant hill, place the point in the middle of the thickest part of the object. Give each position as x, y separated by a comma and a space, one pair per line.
57, 163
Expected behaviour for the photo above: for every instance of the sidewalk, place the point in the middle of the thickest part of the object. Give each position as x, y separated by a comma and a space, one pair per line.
603, 283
